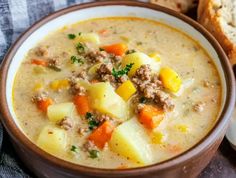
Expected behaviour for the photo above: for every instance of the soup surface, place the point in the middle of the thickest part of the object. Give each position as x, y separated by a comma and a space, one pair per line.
117, 93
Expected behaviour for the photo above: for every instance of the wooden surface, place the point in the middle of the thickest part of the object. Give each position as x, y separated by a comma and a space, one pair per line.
223, 164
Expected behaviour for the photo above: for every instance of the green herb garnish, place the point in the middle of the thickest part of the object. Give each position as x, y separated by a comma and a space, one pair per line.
74, 59
93, 154
74, 149
130, 51
92, 122
101, 49
71, 36
124, 71
80, 48
88, 115
143, 99
80, 33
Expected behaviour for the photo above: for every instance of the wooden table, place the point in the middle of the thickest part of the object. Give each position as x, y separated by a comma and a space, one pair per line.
223, 164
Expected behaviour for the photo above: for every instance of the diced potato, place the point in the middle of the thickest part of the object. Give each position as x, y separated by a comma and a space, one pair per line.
155, 56
59, 84
170, 79
130, 140
92, 70
139, 59
126, 90
52, 140
88, 37
56, 112
104, 99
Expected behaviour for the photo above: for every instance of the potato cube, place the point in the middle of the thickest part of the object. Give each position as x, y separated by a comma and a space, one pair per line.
104, 99
52, 140
139, 59
56, 112
131, 140
88, 37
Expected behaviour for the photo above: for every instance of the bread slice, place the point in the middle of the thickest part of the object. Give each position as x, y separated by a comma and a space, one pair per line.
219, 18
177, 5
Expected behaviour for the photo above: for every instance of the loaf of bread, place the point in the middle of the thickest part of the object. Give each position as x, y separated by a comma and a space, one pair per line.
177, 5
219, 18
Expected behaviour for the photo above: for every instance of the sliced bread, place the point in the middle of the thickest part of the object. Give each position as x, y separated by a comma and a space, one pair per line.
219, 18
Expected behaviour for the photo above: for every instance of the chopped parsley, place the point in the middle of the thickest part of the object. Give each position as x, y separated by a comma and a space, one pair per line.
74, 149
71, 36
101, 49
123, 71
80, 33
92, 122
143, 99
74, 59
93, 154
80, 48
130, 51
89, 115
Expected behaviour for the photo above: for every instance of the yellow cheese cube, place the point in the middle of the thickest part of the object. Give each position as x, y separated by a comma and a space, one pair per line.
126, 90
170, 79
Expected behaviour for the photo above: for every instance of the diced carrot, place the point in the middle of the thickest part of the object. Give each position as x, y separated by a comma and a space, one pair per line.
43, 104
103, 32
151, 116
82, 104
102, 134
39, 62
118, 49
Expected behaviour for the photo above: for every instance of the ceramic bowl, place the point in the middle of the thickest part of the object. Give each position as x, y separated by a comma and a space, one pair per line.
188, 164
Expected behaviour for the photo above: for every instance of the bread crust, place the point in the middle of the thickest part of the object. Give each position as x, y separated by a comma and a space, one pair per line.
177, 5
209, 16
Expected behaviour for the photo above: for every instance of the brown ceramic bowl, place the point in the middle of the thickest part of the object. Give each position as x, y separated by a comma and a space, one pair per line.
188, 164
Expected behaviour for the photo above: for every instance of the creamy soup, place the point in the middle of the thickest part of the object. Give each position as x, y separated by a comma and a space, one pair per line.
117, 93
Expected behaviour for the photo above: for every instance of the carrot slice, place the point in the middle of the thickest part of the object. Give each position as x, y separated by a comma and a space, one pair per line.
151, 116
118, 49
102, 134
39, 62
82, 104
43, 104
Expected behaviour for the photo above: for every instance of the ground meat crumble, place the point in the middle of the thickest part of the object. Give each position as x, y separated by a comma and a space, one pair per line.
151, 87
66, 123
39, 97
94, 56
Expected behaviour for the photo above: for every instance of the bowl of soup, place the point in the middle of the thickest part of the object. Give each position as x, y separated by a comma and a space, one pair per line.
116, 89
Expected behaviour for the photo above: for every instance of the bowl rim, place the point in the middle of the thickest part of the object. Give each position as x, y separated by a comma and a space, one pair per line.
179, 160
